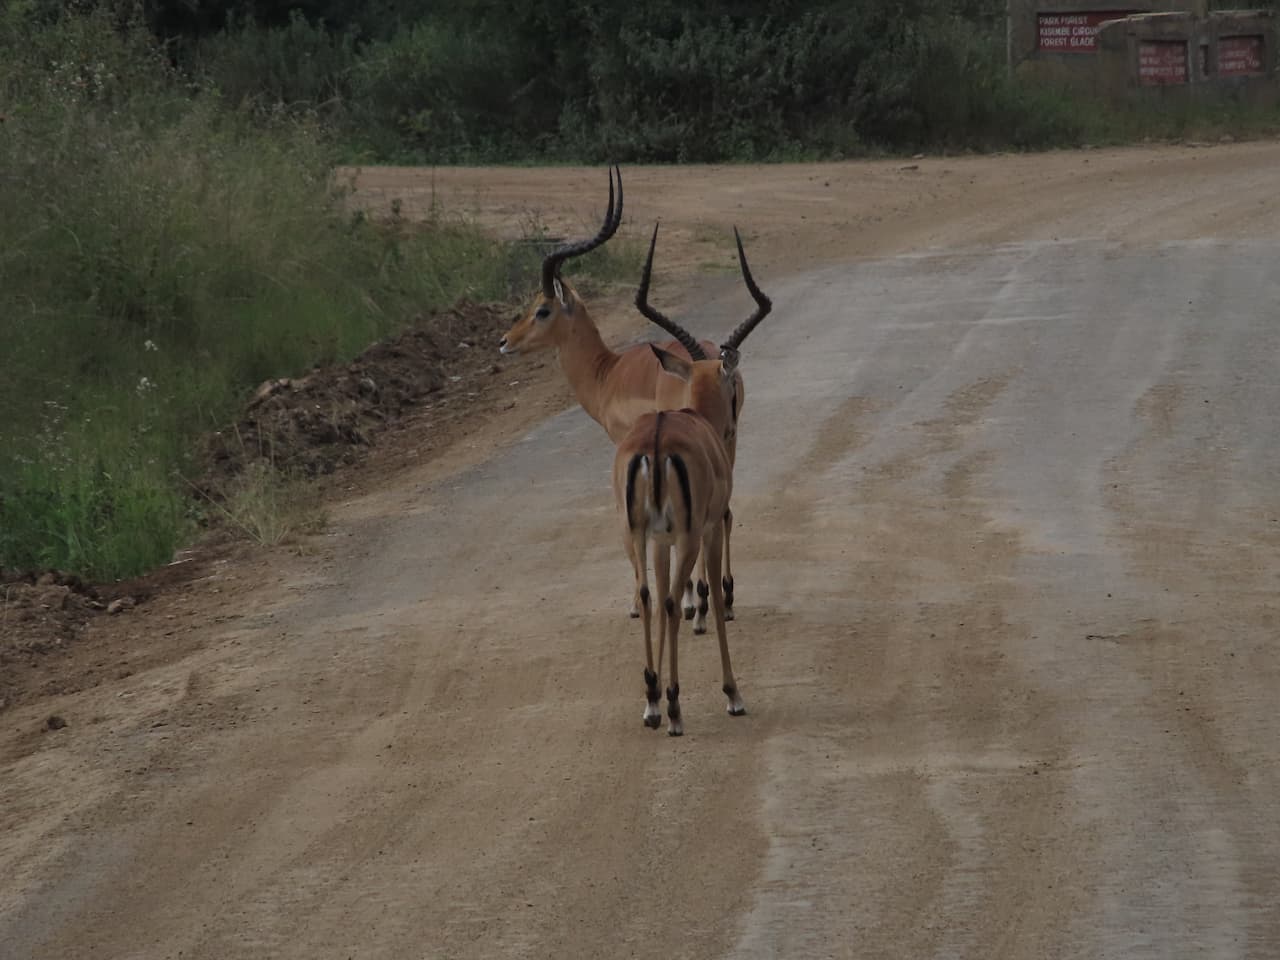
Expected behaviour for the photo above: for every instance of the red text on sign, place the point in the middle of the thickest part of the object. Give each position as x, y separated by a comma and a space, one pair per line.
1162, 62
1240, 56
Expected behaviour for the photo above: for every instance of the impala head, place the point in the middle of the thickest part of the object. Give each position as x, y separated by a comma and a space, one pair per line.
550, 317
711, 384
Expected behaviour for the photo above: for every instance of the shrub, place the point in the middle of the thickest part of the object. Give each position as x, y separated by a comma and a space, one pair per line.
160, 255
299, 66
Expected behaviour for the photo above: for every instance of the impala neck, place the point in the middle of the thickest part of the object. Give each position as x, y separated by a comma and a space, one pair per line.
586, 361
705, 395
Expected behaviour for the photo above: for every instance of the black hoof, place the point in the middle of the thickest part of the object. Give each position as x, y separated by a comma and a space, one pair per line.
653, 722
737, 711
689, 612
699, 631
728, 613
634, 614
674, 733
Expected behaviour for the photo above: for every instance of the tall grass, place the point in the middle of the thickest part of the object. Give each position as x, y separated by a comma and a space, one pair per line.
160, 254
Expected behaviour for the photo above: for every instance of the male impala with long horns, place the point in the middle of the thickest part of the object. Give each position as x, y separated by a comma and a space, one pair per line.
672, 480
615, 388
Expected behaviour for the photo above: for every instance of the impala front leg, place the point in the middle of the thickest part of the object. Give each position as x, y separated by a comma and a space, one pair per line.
727, 582
686, 558
700, 622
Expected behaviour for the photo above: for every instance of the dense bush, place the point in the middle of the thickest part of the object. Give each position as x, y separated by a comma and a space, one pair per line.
435, 94
478, 80
295, 64
161, 254
662, 81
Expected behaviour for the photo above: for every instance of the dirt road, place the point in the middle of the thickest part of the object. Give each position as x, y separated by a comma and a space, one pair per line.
1007, 561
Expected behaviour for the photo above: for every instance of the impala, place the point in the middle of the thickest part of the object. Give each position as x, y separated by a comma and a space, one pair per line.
672, 481
614, 388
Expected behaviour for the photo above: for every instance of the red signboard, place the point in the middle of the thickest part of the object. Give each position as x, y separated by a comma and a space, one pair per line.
1072, 32
1162, 62
1240, 56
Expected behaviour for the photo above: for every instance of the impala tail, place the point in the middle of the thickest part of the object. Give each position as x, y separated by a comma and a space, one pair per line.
658, 496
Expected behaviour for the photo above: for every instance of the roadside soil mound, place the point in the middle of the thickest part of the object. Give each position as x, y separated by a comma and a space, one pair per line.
43, 614
308, 426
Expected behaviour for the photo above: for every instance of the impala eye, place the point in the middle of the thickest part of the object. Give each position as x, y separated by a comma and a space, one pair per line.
543, 313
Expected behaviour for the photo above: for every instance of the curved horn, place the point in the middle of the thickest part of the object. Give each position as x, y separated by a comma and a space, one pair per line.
763, 303
666, 323
612, 219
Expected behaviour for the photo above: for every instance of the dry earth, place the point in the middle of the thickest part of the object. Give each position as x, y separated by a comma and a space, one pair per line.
1007, 563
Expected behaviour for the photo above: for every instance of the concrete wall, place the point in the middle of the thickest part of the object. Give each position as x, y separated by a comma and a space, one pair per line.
1055, 39
1178, 56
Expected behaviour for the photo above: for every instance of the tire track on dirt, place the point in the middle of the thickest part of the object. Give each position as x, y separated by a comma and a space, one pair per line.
882, 783
1176, 509
961, 645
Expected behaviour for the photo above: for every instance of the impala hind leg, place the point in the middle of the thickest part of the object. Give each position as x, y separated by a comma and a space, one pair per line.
668, 616
686, 558
711, 549
652, 710
727, 582
628, 541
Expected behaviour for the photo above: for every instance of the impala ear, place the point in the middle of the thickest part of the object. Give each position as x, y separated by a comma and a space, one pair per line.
673, 364
559, 289
728, 361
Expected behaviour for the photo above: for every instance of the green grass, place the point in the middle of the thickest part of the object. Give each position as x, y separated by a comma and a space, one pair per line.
97, 513
160, 255
269, 507
1192, 121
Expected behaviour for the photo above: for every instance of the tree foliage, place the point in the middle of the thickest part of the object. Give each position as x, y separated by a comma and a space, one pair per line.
663, 81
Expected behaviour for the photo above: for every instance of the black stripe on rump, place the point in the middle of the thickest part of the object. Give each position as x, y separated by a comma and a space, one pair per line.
632, 468
682, 474
657, 469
